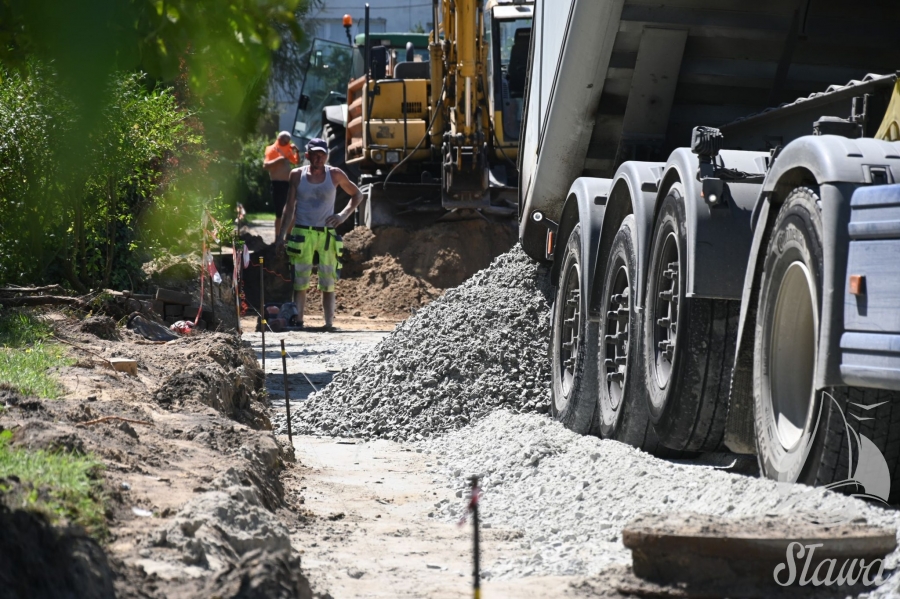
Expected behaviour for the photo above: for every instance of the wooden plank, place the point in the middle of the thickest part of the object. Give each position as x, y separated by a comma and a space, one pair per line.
655, 79
124, 365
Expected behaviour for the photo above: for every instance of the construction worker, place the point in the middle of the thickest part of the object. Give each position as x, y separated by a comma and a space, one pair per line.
308, 225
280, 158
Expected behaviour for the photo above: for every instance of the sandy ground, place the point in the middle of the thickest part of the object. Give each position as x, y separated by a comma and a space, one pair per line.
374, 536
372, 532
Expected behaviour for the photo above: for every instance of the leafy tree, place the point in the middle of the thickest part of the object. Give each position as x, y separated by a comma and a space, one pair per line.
99, 165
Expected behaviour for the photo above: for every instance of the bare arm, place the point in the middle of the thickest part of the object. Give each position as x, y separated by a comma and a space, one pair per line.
287, 216
356, 197
270, 164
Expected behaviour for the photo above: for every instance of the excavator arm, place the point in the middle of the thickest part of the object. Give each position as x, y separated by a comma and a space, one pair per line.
464, 107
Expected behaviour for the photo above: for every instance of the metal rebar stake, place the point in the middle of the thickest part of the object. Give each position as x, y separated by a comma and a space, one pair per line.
476, 571
263, 312
212, 303
287, 399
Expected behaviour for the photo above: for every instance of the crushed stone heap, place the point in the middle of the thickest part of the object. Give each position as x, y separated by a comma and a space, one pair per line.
479, 347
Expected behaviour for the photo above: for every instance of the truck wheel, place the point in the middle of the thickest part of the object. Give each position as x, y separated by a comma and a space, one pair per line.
622, 410
688, 343
802, 433
573, 341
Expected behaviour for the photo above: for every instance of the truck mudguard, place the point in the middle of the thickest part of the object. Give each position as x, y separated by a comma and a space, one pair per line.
834, 166
719, 236
633, 191
585, 204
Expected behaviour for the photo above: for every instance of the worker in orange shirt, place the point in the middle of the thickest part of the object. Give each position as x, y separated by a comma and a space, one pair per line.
281, 157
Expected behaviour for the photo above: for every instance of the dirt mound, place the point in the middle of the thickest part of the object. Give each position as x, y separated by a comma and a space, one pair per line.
192, 489
261, 575
100, 326
393, 271
383, 288
40, 560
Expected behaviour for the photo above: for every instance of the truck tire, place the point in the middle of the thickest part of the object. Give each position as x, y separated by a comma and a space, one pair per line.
573, 340
622, 410
802, 432
689, 343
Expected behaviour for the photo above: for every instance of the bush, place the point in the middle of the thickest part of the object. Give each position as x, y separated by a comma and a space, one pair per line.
254, 190
141, 179
26, 354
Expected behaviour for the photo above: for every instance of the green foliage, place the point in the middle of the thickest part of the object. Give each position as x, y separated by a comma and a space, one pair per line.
255, 191
26, 355
62, 486
263, 216
224, 46
21, 329
81, 225
101, 169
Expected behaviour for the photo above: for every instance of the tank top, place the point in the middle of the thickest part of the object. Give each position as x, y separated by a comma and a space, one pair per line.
315, 201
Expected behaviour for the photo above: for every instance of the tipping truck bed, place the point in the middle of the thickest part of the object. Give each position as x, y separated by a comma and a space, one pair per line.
615, 80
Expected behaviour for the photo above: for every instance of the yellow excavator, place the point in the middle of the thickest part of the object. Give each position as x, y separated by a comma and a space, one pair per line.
436, 135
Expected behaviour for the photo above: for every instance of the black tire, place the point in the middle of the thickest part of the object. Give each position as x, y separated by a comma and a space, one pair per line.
802, 432
622, 403
573, 343
689, 343
334, 136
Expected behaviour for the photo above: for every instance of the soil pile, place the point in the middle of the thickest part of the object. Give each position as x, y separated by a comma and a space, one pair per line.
478, 347
194, 501
39, 559
393, 271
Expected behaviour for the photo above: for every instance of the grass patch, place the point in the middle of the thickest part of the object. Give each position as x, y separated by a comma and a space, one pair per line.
62, 486
26, 354
252, 216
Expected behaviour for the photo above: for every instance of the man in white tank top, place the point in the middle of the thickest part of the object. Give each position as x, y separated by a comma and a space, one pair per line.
308, 223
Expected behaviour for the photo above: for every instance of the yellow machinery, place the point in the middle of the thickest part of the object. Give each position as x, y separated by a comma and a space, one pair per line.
439, 132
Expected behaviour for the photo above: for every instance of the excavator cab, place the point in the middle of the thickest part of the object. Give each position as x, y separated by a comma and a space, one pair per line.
326, 71
507, 33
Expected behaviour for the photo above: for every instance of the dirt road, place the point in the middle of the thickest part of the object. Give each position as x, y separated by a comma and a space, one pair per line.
373, 528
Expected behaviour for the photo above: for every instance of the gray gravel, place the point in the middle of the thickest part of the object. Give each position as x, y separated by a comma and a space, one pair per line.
570, 495
480, 346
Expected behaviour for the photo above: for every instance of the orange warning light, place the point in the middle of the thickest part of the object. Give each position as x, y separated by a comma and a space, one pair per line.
348, 20
858, 284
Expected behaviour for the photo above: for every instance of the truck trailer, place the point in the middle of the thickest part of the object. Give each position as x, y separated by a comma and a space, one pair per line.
717, 188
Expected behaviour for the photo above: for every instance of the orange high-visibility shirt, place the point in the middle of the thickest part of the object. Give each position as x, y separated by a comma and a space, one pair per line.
275, 151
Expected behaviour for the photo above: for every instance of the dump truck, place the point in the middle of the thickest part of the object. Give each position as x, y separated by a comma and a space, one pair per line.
439, 134
716, 188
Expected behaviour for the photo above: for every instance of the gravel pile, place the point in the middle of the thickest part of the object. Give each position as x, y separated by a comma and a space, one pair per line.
480, 346
569, 496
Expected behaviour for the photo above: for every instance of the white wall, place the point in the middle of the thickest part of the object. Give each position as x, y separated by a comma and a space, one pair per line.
394, 16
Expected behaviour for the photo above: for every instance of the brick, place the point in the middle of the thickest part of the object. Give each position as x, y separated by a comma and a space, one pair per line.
159, 307
174, 310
